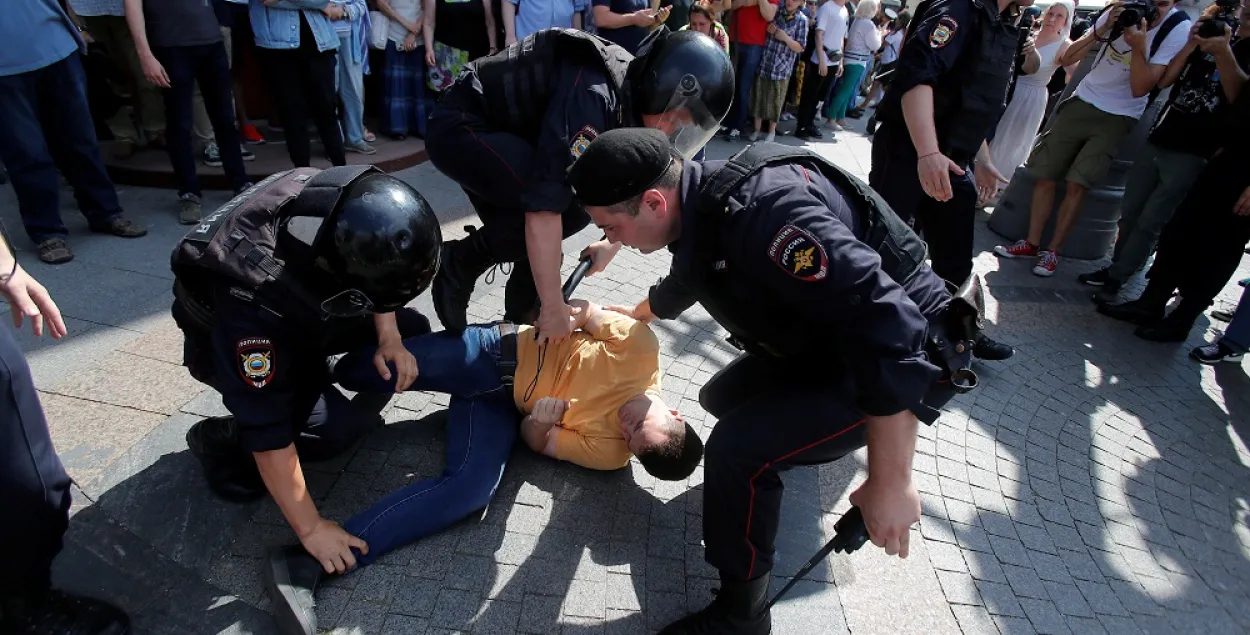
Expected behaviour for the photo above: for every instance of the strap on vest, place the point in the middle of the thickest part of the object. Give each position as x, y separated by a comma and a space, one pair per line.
321, 194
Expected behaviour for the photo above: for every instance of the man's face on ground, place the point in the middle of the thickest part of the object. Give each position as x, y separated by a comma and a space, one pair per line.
644, 422
646, 231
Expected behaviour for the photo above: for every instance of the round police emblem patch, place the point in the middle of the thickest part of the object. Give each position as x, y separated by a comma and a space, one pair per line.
943, 32
255, 361
799, 254
582, 140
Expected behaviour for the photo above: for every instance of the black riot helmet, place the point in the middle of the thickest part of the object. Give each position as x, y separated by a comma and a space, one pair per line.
370, 240
685, 76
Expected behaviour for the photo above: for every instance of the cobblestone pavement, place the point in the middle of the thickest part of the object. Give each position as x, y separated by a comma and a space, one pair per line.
1094, 483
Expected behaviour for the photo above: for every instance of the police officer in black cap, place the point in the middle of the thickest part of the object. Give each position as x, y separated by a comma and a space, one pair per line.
302, 266
508, 129
826, 292
945, 98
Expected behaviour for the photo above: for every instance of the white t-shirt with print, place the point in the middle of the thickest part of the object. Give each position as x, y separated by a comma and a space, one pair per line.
1107, 86
831, 18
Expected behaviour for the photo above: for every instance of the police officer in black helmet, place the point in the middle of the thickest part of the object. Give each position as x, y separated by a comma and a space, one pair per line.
302, 266
508, 129
846, 333
930, 160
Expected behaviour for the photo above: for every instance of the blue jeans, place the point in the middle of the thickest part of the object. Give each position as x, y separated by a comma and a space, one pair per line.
350, 84
482, 425
748, 63
1237, 335
47, 125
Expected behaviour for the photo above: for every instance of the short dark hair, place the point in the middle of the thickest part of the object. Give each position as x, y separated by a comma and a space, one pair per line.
670, 179
676, 458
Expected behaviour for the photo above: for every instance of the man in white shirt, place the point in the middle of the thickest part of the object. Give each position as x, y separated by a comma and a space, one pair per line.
1088, 129
823, 66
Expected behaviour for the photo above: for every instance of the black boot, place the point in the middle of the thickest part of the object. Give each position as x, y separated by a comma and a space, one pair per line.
60, 613
1146, 309
231, 472
739, 609
991, 351
1173, 328
291, 579
462, 262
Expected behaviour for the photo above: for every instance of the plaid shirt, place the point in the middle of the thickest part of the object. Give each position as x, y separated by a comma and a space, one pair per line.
778, 60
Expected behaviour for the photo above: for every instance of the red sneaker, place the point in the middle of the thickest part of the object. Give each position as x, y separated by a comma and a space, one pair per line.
251, 134
1047, 261
1019, 249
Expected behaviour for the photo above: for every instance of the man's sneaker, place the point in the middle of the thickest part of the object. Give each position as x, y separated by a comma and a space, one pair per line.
369, 137
735, 134
212, 156
1096, 278
1018, 249
54, 251
251, 135
1047, 261
1214, 353
122, 227
60, 613
247, 154
755, 136
189, 211
808, 134
291, 579
1243, 282
362, 148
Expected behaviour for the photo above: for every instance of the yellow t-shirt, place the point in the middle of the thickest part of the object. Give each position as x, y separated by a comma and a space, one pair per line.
598, 371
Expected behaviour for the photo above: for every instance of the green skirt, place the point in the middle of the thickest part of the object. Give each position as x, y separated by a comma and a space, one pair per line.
767, 98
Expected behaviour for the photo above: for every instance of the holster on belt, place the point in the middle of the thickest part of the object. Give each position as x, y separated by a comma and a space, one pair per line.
955, 331
507, 353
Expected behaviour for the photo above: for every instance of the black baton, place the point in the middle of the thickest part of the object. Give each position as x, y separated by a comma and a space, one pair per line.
579, 272
850, 534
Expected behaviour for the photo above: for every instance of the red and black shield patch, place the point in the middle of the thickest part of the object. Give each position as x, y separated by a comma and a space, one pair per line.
255, 361
799, 254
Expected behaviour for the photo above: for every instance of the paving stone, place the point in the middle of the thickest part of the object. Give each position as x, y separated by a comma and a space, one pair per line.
1024, 582
539, 615
972, 537
974, 620
946, 557
1044, 616
985, 567
1010, 551
404, 625
1014, 625
959, 588
999, 599
1117, 625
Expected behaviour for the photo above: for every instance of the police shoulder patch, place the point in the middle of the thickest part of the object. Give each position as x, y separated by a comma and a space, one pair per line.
582, 140
256, 359
799, 254
943, 31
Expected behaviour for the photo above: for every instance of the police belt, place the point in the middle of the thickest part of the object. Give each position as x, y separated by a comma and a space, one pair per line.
507, 353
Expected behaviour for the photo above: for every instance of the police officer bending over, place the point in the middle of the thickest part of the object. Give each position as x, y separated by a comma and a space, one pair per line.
270, 285
826, 291
509, 127
945, 98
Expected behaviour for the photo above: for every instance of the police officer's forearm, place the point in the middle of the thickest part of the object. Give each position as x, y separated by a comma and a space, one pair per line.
284, 478
543, 236
891, 447
387, 327
918, 113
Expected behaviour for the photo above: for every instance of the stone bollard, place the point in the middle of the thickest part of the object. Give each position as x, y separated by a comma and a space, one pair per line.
1094, 231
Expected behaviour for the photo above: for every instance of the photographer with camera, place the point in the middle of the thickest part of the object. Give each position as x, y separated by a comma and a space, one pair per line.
1201, 248
1206, 75
1143, 38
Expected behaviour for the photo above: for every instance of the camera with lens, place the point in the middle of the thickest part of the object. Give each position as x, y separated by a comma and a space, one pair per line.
1029, 19
1134, 12
1225, 14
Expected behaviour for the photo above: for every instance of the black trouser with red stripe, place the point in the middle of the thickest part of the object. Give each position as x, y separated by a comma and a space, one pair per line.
491, 165
773, 415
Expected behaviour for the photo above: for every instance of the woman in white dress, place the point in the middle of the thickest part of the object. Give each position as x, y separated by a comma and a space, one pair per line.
1018, 127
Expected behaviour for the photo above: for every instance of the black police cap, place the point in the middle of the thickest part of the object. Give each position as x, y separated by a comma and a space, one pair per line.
619, 165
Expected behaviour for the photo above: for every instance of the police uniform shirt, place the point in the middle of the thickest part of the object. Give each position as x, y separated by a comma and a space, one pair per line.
269, 370
933, 46
786, 268
583, 106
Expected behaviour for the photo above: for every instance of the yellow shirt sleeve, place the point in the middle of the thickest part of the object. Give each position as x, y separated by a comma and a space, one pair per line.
619, 333
595, 453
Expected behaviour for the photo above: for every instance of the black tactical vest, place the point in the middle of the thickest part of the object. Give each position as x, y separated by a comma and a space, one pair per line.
235, 245
746, 311
968, 104
518, 82
902, 252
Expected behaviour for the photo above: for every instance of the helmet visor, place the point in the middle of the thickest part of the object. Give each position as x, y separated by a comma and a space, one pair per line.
687, 120
346, 304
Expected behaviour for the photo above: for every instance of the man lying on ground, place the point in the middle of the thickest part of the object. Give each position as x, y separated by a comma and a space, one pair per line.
592, 399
